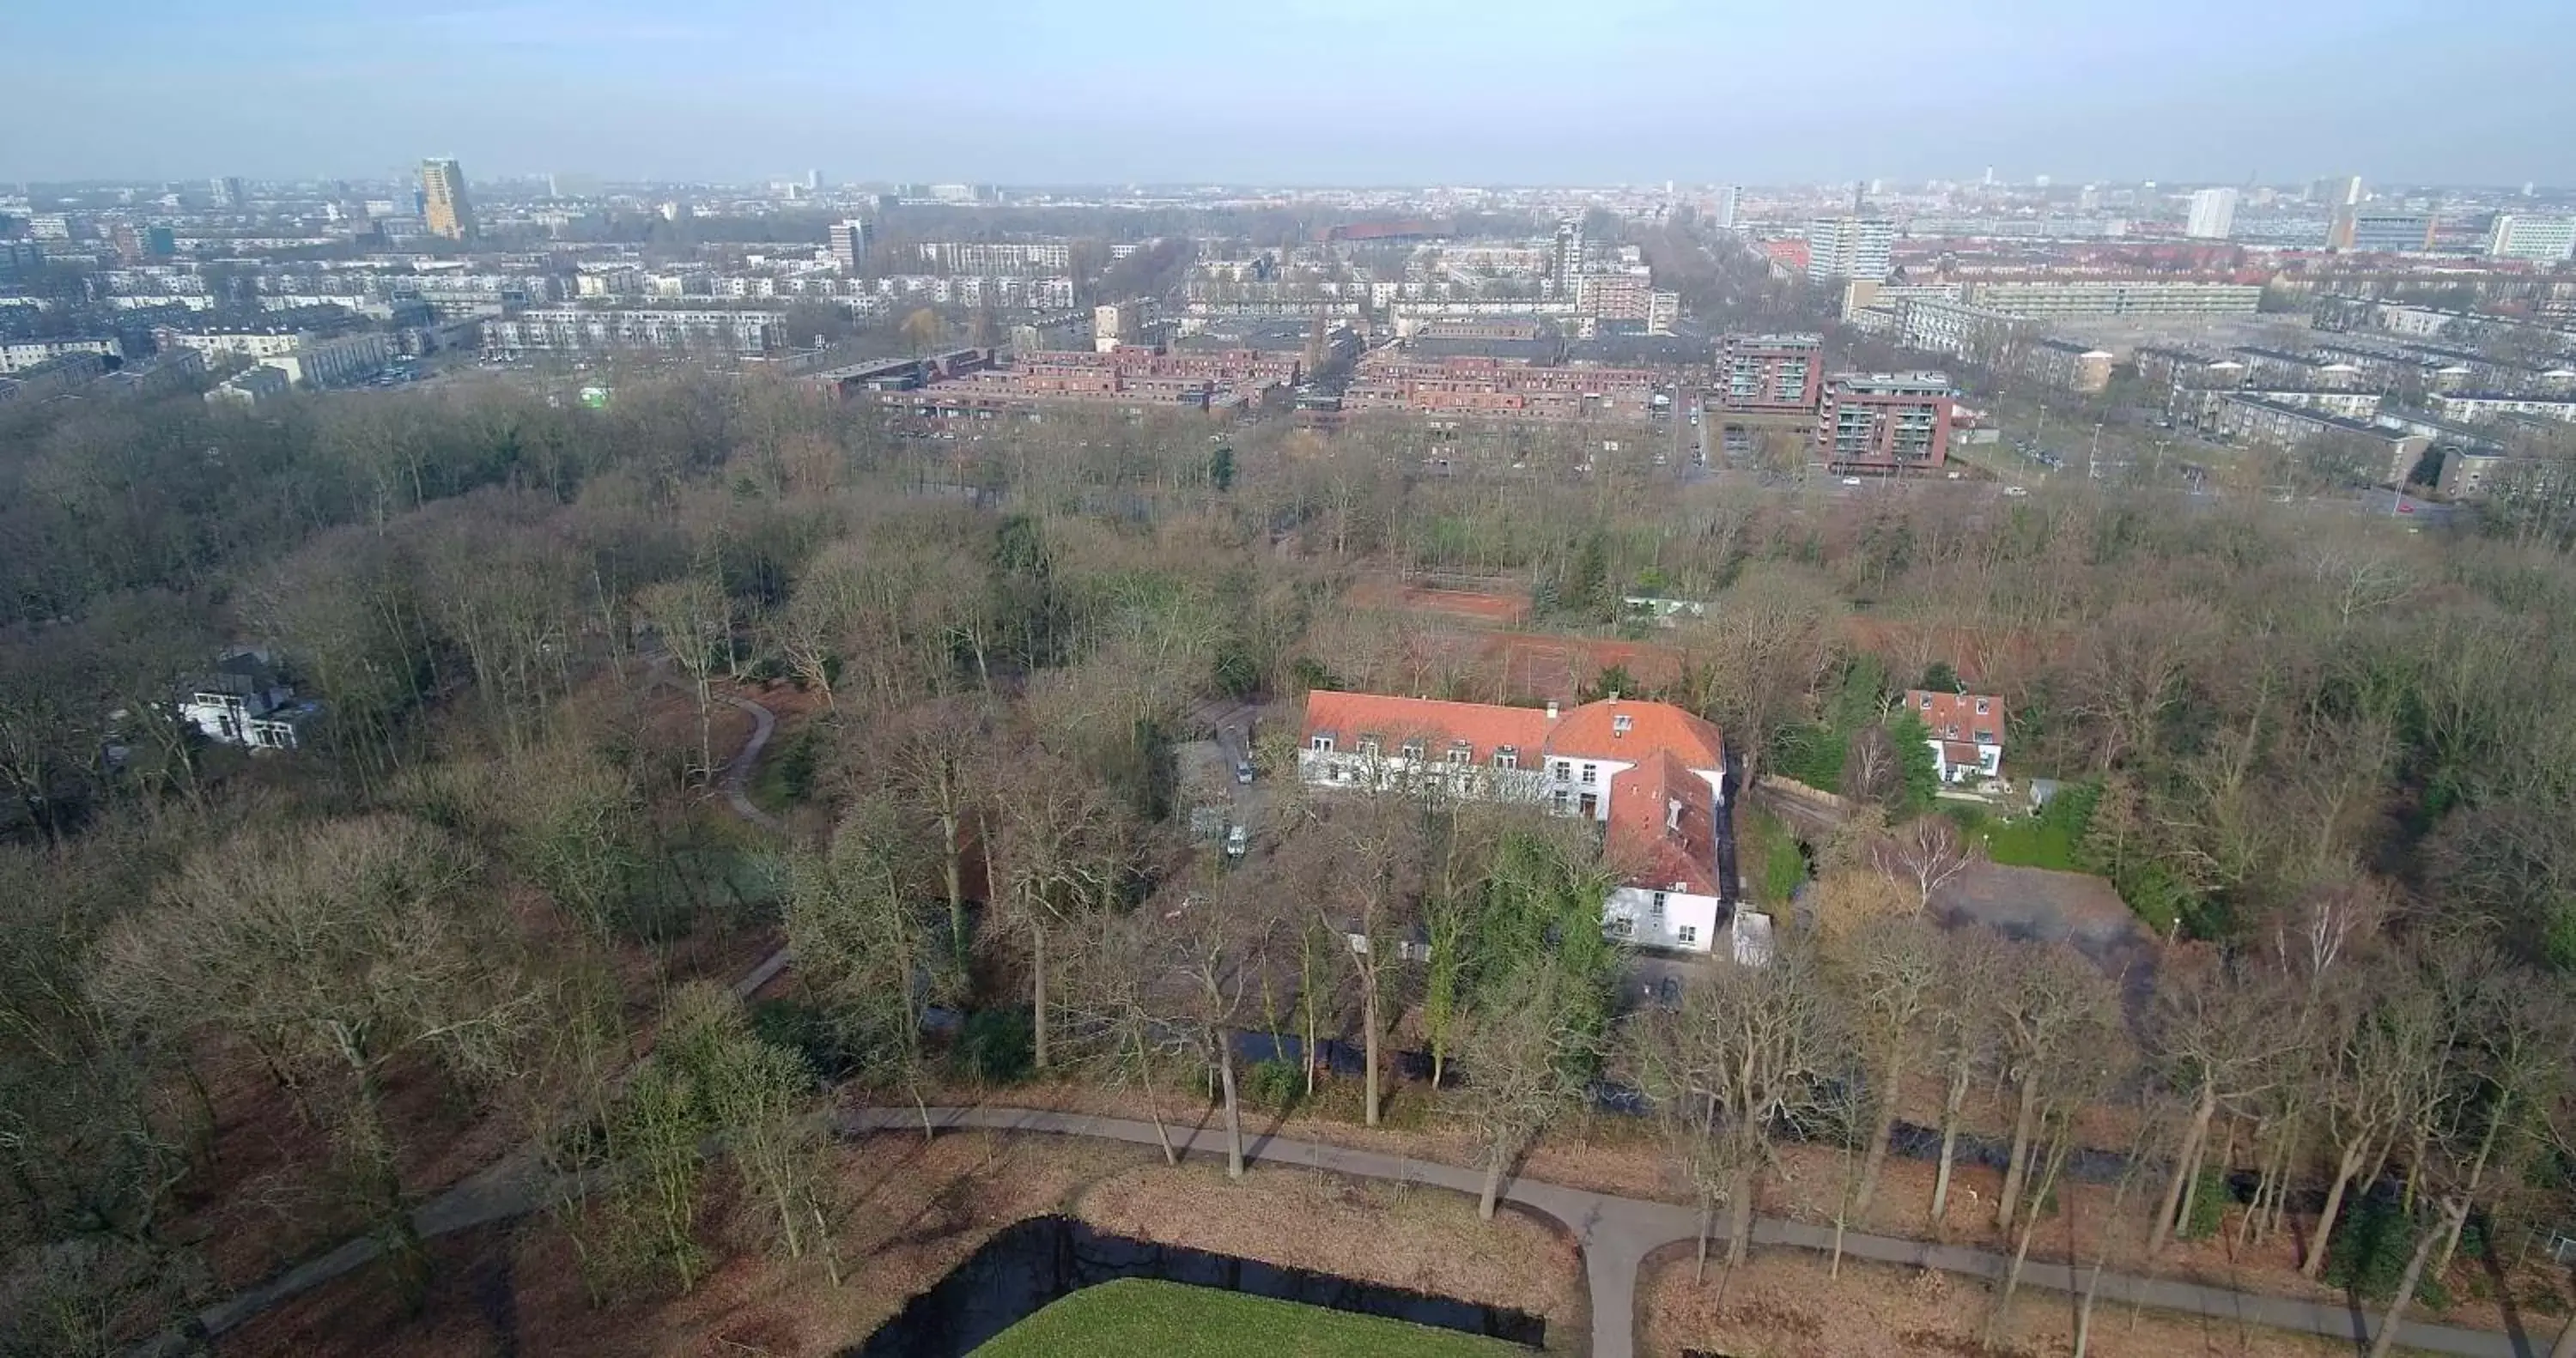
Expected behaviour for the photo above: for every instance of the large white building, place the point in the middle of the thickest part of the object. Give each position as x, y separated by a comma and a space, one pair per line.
1849, 247
2117, 297
736, 330
2519, 235
20, 355
1650, 774
2213, 215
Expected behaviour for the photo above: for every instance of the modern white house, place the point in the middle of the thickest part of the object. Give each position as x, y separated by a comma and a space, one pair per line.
1966, 732
1652, 775
243, 702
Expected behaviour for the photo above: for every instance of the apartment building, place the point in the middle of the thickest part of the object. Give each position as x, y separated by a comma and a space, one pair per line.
250, 387
2116, 297
848, 242
1849, 247
998, 259
53, 377
2359, 232
574, 329
1980, 334
446, 208
1894, 422
2281, 367
2478, 407
2064, 364
2521, 235
2212, 215
2178, 370
1770, 374
1498, 388
17, 356
2256, 420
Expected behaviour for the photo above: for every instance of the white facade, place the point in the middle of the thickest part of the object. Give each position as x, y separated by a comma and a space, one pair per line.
1849, 247
339, 362
571, 328
2213, 215
1662, 919
250, 387
2520, 235
24, 354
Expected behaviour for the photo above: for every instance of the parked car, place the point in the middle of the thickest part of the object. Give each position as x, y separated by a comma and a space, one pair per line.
1243, 770
1237, 840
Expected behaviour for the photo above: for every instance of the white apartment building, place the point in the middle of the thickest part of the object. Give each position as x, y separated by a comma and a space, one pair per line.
341, 361
20, 355
998, 258
2213, 215
567, 329
2520, 235
2480, 407
1849, 247
2117, 297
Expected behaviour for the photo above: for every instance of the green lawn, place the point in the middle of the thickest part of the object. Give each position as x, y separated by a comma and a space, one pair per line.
1138, 1318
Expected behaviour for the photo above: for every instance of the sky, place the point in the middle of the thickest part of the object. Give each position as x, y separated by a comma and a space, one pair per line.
1298, 91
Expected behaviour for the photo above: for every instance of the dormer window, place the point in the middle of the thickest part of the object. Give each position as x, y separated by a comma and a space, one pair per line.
1673, 814
1507, 757
1927, 702
1413, 748
1619, 724
1368, 746
1322, 742
1462, 753
1981, 707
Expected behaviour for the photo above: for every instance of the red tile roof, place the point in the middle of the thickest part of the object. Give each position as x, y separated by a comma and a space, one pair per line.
1656, 849
1962, 753
1439, 725
1592, 731
1954, 716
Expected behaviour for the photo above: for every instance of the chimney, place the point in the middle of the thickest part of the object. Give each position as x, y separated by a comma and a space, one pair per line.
1551, 709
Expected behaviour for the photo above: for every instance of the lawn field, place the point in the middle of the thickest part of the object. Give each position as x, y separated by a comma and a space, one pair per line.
1133, 1317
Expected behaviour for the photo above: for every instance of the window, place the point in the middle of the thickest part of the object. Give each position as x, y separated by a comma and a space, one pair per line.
1412, 748
1620, 926
1981, 707
1462, 753
1688, 933
1619, 724
1368, 746
1927, 702
1564, 769
1322, 744
1592, 773
1673, 815
1658, 911
1507, 758
1557, 800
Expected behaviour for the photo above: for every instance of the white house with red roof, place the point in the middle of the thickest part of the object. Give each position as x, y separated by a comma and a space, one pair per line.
1653, 776
1966, 732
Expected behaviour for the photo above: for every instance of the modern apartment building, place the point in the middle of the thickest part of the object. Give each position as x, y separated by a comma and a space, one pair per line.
1894, 422
19, 355
1730, 201
2520, 235
2393, 233
2477, 407
2213, 215
2117, 297
1849, 247
1770, 374
849, 244
998, 259
445, 207
2065, 364
734, 330
2337, 191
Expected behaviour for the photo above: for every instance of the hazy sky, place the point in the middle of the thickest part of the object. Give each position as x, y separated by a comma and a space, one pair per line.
1297, 91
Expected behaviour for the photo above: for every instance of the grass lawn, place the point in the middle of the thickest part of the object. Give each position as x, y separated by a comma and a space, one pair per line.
1138, 1318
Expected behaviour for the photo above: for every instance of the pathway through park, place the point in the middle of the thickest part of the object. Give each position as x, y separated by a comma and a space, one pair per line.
1615, 1233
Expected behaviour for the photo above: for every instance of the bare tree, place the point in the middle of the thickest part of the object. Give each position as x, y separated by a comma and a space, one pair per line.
1063, 851
2389, 1052
1925, 854
695, 619
2209, 1035
2060, 1017
1889, 974
865, 949
1966, 1037
1530, 1063
1746, 1048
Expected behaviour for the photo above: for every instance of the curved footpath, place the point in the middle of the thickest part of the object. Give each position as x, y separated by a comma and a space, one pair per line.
1618, 1233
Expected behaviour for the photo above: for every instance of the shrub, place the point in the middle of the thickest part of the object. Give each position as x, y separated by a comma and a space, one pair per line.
995, 1047
1275, 1085
2208, 1206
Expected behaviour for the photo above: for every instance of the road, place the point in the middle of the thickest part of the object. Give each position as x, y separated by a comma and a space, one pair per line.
1617, 1234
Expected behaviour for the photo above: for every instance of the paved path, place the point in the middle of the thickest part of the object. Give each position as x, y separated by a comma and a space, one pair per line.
1617, 1234
736, 776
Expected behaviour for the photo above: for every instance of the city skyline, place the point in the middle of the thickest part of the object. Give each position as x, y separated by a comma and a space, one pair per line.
1444, 92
